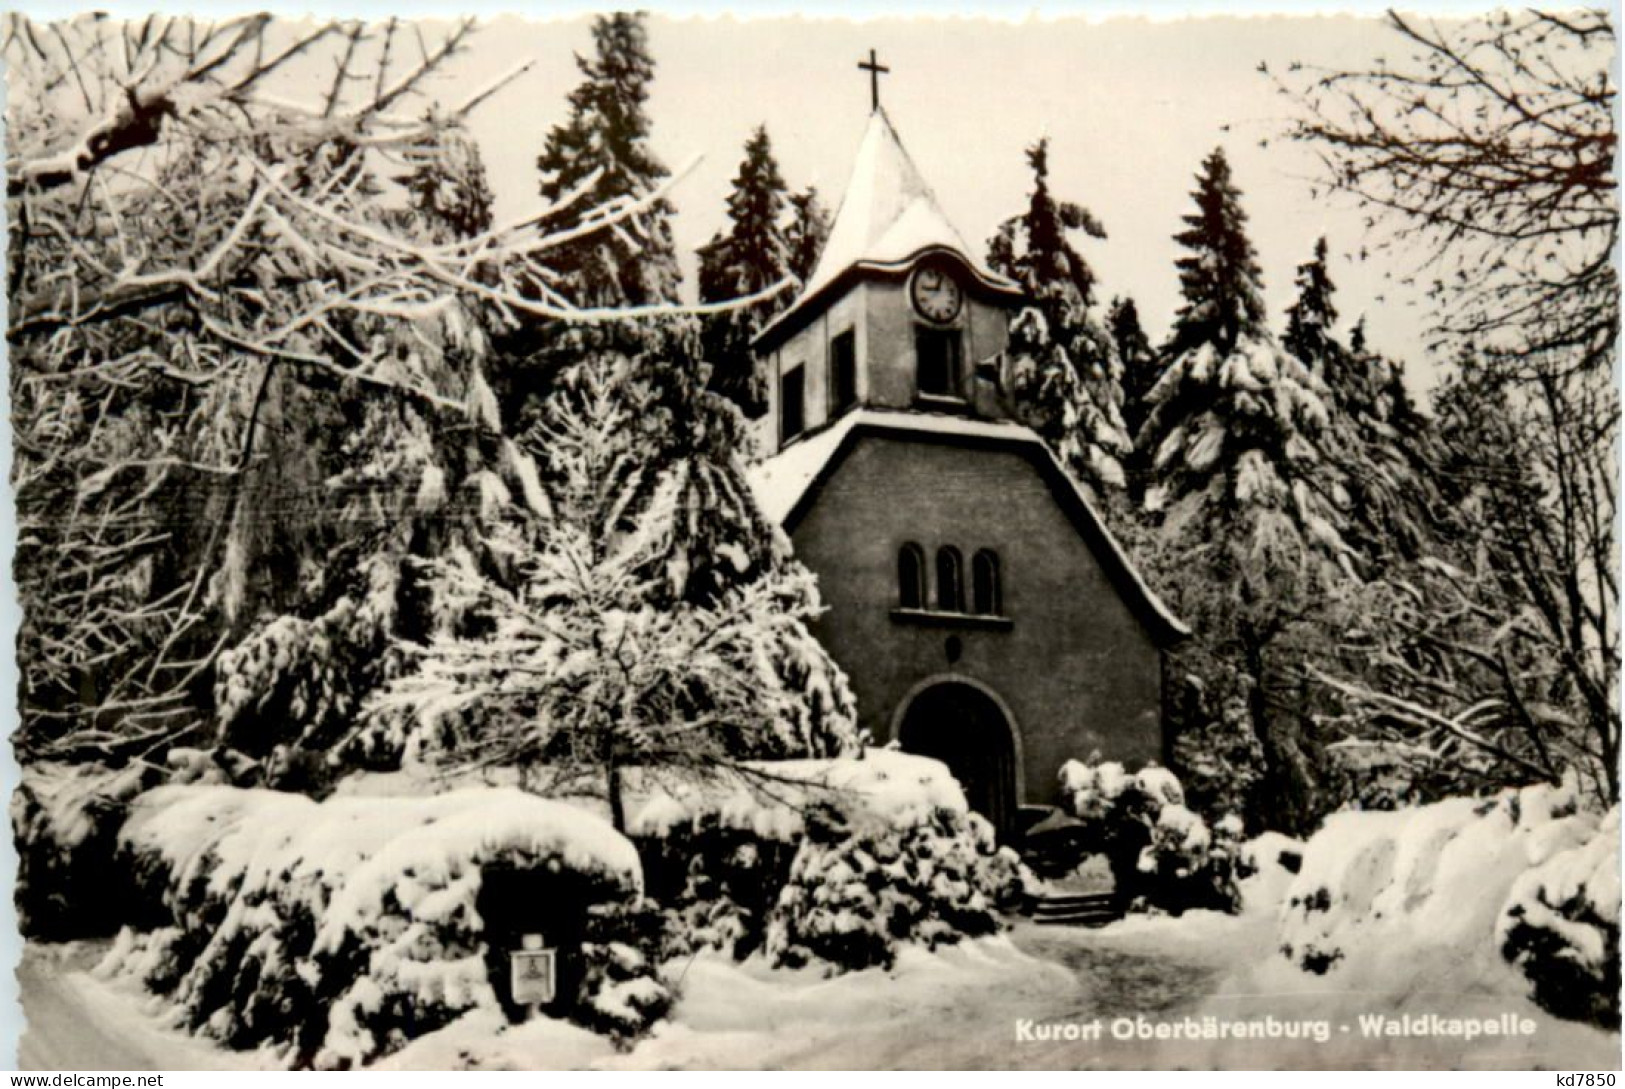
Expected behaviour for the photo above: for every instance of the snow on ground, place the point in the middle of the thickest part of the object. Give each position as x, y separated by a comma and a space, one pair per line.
73, 1021
960, 1007
750, 1016
1273, 988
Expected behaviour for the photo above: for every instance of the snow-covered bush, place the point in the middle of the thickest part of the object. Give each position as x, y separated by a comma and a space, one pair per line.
65, 820
1451, 892
622, 993
828, 860
718, 882
1561, 929
1163, 856
339, 930
855, 894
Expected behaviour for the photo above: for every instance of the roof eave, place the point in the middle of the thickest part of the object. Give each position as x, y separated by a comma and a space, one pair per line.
791, 321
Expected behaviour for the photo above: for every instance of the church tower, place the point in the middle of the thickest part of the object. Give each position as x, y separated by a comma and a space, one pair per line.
898, 314
976, 600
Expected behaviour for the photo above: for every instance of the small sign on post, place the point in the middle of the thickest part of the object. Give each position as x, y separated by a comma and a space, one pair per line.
533, 973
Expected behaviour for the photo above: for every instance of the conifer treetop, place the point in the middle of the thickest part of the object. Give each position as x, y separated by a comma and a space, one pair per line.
748, 257
751, 254
808, 229
1312, 315
1220, 279
1033, 248
1066, 374
605, 141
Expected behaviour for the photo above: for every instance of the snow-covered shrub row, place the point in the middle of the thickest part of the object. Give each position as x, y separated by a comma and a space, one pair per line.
340, 929
1163, 856
1449, 893
826, 860
64, 820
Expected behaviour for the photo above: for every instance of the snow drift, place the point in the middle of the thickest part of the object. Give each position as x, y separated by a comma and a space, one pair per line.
776, 799
338, 930
1441, 897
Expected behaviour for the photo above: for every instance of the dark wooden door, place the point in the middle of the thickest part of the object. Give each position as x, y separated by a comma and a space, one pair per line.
965, 729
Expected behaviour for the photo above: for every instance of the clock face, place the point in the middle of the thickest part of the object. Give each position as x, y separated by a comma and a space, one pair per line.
936, 294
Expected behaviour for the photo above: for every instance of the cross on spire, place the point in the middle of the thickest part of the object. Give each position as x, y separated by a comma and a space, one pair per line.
875, 69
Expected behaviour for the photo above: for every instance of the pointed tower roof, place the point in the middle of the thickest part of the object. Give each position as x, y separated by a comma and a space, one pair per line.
888, 216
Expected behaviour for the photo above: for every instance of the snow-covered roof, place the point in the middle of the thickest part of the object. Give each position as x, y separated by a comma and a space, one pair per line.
888, 216
783, 484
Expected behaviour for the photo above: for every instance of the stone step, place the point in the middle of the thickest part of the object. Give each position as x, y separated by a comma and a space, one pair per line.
1074, 901
1092, 922
1077, 909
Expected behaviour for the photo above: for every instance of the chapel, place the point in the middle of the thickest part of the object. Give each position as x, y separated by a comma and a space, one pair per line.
981, 608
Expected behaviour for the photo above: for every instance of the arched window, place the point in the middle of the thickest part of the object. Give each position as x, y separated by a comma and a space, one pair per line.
911, 576
950, 580
984, 583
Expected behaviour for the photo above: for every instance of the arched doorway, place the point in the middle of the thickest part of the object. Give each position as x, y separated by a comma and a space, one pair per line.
966, 729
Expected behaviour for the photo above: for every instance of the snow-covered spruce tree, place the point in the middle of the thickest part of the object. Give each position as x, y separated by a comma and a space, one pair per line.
604, 146
598, 160
1251, 541
807, 230
1312, 316
659, 623
1384, 450
1067, 378
1137, 358
749, 257
404, 486
1140, 368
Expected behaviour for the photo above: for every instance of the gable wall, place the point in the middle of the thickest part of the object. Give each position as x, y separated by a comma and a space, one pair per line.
1077, 670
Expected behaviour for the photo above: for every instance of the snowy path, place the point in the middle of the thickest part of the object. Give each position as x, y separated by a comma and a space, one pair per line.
956, 1009
60, 1032
962, 1014
74, 1022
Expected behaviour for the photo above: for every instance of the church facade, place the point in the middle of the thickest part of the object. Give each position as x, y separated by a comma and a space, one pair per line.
979, 605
